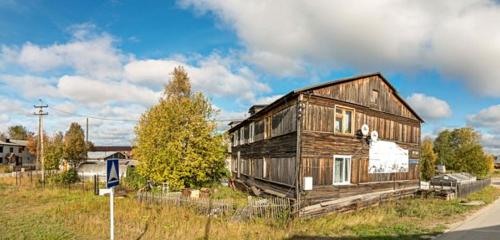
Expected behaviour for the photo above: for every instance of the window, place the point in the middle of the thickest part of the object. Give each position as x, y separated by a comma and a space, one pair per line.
264, 168
242, 135
21, 149
344, 122
235, 138
341, 169
11, 149
374, 96
267, 128
251, 132
1, 149
238, 163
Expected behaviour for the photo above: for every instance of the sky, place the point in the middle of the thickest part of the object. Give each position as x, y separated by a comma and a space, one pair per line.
109, 60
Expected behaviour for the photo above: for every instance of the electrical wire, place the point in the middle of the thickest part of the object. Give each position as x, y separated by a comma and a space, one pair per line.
121, 119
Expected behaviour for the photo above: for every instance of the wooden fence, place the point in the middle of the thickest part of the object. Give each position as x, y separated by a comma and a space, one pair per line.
465, 189
254, 208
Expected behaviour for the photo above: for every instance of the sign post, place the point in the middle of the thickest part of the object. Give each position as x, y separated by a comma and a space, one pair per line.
112, 180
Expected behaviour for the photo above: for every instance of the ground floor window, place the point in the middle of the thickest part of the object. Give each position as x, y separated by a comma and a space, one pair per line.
341, 169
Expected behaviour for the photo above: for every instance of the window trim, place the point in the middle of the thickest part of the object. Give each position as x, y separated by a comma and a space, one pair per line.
349, 165
242, 135
251, 132
353, 120
376, 99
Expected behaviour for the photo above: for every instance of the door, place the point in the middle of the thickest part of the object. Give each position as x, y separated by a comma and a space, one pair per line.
341, 169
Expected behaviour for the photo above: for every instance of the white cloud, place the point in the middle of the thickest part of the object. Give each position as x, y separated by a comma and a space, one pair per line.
268, 99
11, 106
459, 39
488, 121
491, 143
487, 118
87, 53
214, 75
88, 90
30, 86
89, 76
428, 107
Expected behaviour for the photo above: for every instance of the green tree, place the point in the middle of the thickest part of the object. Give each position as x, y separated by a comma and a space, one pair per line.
461, 151
75, 148
444, 149
427, 160
18, 132
54, 151
176, 140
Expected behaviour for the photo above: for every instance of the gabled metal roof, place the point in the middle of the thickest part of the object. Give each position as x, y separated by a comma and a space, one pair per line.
326, 84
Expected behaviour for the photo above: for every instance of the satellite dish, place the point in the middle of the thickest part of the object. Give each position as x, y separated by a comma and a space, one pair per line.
374, 136
365, 130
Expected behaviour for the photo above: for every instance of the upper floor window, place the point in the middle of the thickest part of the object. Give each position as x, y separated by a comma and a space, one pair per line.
235, 138
1, 149
251, 132
11, 150
344, 122
374, 96
242, 135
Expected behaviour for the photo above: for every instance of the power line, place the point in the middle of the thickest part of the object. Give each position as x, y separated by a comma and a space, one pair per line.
123, 119
95, 117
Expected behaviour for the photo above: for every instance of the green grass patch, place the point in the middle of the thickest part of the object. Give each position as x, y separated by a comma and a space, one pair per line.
30, 213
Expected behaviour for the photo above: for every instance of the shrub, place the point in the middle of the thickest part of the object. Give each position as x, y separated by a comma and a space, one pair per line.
133, 179
66, 177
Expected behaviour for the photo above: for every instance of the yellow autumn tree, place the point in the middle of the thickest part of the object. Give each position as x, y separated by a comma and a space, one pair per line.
427, 160
176, 139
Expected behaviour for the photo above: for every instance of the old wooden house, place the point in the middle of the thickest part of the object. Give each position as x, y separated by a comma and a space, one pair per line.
313, 135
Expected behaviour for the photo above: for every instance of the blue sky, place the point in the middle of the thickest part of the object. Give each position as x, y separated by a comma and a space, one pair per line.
110, 59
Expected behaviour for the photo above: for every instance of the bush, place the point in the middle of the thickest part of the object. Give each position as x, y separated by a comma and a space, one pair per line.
66, 177
133, 179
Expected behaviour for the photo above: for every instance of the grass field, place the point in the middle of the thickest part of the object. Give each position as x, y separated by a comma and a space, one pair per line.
55, 213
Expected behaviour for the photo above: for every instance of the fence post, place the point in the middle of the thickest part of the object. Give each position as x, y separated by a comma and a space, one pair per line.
96, 188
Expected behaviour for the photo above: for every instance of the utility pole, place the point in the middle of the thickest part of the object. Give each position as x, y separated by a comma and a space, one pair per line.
87, 130
39, 146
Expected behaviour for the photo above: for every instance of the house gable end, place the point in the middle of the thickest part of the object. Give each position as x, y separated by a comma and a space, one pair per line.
372, 91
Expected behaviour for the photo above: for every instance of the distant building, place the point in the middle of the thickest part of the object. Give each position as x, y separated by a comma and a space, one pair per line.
98, 155
15, 153
109, 152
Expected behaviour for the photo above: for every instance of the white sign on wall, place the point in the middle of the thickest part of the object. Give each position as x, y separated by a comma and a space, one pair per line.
387, 157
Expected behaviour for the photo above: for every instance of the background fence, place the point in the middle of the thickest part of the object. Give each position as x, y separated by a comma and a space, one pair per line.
465, 189
272, 208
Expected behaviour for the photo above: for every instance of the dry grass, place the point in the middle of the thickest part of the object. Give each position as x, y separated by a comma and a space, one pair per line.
53, 213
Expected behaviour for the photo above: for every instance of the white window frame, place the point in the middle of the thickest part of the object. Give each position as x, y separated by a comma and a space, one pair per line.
238, 163
251, 132
242, 135
344, 122
348, 166
235, 138
264, 167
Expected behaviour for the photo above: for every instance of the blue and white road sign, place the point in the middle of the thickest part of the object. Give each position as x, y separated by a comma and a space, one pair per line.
112, 174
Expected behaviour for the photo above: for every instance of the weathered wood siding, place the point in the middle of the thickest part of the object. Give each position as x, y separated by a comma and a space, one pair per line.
276, 149
319, 143
360, 92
